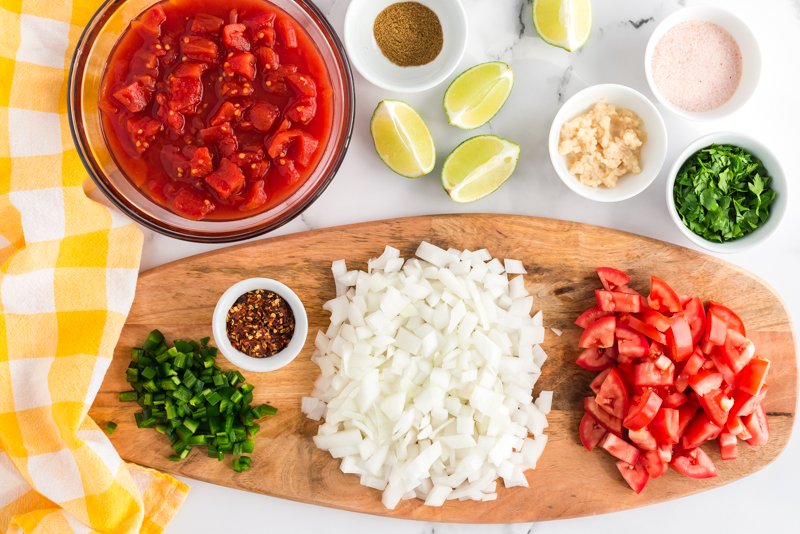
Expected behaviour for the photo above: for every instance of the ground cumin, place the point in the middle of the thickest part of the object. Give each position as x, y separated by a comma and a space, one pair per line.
408, 33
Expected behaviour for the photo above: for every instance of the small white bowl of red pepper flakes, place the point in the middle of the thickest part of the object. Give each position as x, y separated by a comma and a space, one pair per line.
259, 325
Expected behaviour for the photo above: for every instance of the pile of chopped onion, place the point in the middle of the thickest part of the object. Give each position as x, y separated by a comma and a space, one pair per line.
427, 374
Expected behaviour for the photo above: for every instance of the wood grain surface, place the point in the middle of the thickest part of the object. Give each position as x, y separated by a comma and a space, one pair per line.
560, 256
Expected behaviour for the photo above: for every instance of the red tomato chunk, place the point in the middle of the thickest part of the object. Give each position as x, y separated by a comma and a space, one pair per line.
672, 375
210, 115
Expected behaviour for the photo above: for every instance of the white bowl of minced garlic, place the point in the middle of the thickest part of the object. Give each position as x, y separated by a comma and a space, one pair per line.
608, 143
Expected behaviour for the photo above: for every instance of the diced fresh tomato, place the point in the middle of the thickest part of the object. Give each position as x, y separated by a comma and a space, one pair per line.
675, 399
718, 360
679, 339
727, 315
715, 330
665, 426
735, 426
242, 63
643, 410
613, 396
717, 394
690, 368
727, 446
597, 381
662, 297
630, 344
705, 381
696, 317
694, 464
635, 475
590, 431
205, 23
643, 328
714, 403
608, 421
700, 430
757, 426
287, 32
643, 439
647, 374
656, 319
200, 49
744, 403
233, 37
615, 301
600, 333
753, 376
738, 351
133, 96
227, 180
594, 359
686, 413
653, 463
620, 449
589, 315
302, 110
612, 278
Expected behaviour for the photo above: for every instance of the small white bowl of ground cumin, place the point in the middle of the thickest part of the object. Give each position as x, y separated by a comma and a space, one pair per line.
259, 325
702, 63
405, 46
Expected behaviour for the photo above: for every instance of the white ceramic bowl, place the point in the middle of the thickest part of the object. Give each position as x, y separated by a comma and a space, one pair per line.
778, 183
372, 64
653, 152
241, 360
751, 58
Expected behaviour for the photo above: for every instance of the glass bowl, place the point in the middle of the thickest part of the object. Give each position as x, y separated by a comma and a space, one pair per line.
86, 72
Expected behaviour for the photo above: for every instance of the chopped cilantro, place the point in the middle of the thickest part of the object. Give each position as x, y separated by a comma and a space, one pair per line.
723, 193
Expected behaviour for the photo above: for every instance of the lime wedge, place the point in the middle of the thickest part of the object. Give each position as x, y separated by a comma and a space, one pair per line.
563, 23
477, 94
402, 139
478, 166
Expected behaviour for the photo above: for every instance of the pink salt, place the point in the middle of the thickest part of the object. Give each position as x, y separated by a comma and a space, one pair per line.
697, 66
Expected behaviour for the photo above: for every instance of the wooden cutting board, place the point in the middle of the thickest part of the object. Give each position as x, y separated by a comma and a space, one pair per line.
178, 298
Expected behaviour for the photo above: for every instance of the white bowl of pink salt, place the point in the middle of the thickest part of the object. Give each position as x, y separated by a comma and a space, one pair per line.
702, 63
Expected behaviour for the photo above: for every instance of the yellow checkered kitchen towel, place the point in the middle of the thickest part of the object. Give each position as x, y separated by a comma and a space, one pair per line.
68, 271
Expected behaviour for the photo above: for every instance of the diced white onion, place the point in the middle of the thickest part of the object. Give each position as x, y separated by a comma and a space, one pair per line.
427, 372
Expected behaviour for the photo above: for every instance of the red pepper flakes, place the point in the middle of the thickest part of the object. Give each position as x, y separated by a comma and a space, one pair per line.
260, 323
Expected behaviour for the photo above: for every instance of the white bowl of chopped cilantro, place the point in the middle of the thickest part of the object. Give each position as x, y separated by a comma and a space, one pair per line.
727, 192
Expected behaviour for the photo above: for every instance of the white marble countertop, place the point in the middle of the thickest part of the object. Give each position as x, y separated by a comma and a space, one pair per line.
365, 190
